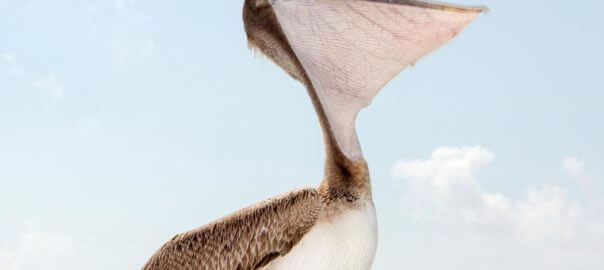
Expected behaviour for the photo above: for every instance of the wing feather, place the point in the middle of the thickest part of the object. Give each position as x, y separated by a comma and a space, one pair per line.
245, 240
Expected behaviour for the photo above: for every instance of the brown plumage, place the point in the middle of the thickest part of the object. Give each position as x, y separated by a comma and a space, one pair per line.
290, 34
246, 239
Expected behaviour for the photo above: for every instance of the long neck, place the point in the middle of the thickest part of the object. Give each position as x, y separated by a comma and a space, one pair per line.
345, 173
345, 168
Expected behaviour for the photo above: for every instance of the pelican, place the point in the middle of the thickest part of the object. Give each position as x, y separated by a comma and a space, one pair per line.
343, 52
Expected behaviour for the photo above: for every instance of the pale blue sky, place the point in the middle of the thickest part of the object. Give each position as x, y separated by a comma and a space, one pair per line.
125, 122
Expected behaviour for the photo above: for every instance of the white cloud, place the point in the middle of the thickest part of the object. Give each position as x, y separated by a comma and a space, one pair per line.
12, 67
9, 58
89, 126
38, 250
442, 193
50, 84
573, 167
120, 6
35, 248
129, 43
147, 46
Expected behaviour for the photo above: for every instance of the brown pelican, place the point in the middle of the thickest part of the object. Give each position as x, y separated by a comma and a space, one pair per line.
343, 52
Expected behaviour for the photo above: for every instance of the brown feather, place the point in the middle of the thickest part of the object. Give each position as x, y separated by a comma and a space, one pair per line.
246, 240
253, 237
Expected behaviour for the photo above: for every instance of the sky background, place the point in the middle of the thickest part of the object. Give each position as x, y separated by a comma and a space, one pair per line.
125, 122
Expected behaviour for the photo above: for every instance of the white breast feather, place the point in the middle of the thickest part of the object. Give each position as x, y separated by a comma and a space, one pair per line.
346, 242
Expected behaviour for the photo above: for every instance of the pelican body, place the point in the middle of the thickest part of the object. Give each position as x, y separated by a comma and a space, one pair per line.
343, 52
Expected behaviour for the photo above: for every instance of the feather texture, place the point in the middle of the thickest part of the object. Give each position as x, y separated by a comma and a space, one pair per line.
344, 52
247, 239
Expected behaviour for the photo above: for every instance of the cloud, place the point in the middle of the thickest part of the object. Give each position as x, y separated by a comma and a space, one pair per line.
573, 167
120, 6
12, 67
128, 41
9, 58
36, 248
442, 192
39, 250
89, 126
50, 84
